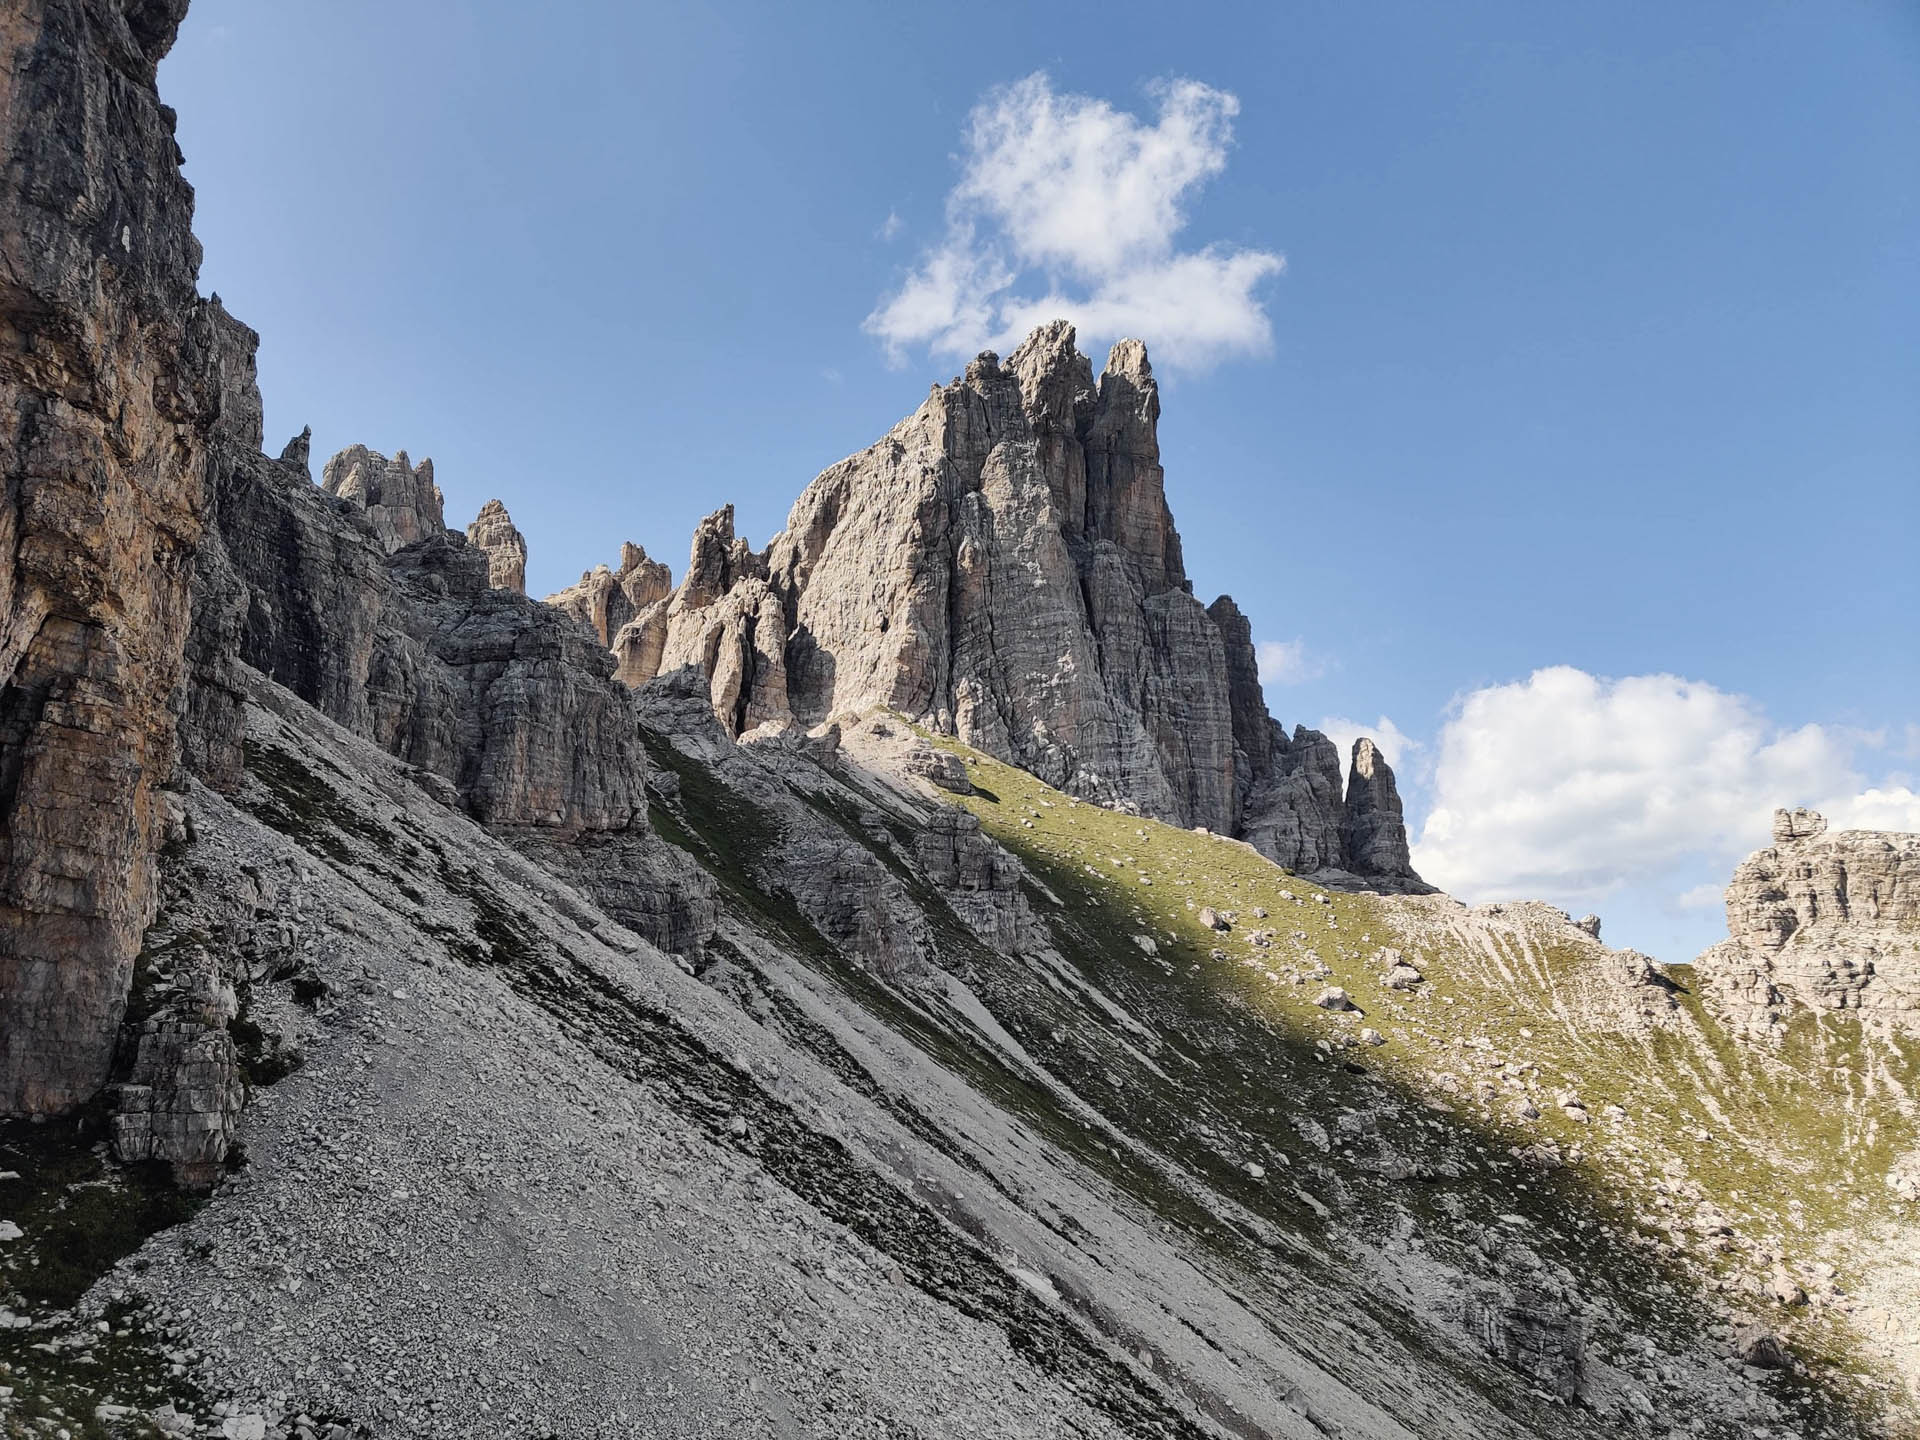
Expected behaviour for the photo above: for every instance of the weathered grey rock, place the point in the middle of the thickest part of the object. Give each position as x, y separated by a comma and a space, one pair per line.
940, 767
506, 698
184, 1092
856, 902
1829, 920
298, 451
107, 397
608, 600
413, 648
980, 880
290, 581
1292, 813
1373, 830
494, 534
1003, 567
1759, 1347
1254, 732
401, 501
1533, 1330
1590, 924
1798, 823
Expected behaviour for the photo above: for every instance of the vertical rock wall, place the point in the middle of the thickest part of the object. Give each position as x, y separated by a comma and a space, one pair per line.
105, 409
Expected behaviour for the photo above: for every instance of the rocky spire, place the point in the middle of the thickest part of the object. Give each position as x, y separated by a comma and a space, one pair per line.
1004, 566
401, 500
298, 449
607, 600
505, 547
1797, 824
1373, 832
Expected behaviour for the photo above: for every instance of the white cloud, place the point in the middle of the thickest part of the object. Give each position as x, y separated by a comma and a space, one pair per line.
891, 226
1399, 747
1085, 201
1287, 662
1568, 787
1700, 897
1894, 807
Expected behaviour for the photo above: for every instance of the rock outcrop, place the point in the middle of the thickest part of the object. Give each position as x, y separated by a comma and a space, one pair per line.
606, 600
411, 646
401, 501
505, 707
105, 409
1824, 919
493, 533
1003, 567
1373, 829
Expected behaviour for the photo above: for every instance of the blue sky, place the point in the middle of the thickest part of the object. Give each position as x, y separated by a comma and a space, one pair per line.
1593, 360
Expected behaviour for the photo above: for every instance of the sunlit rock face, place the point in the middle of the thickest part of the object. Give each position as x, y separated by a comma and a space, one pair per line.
1828, 919
1003, 567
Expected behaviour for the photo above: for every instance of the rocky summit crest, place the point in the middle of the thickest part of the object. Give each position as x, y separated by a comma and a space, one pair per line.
1004, 567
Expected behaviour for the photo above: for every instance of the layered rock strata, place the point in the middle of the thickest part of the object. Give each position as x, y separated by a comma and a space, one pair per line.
105, 409
1003, 567
605, 600
1829, 920
495, 535
400, 499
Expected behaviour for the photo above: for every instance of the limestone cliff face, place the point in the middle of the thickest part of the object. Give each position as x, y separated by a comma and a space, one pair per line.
400, 499
105, 409
1829, 920
495, 535
606, 600
417, 649
1004, 566
152, 558
1373, 828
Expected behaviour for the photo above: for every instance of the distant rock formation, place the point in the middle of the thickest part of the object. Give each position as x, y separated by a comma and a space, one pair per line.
494, 534
1003, 567
402, 502
1373, 829
606, 600
1829, 920
413, 647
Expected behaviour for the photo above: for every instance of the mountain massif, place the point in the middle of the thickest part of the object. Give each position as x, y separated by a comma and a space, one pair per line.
1003, 568
898, 981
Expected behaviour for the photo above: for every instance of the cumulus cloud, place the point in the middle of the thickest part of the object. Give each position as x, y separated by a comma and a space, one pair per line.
1400, 748
1287, 662
1068, 207
1571, 787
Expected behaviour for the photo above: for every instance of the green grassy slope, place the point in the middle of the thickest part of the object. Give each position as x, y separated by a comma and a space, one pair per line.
1728, 1171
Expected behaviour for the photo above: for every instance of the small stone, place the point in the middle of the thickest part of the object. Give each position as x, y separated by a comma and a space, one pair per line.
1333, 998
